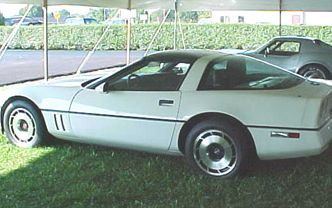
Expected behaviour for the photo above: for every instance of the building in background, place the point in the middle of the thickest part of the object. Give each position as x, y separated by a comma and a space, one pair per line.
272, 17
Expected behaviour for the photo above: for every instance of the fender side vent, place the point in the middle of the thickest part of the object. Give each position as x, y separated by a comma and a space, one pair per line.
63, 125
56, 123
59, 124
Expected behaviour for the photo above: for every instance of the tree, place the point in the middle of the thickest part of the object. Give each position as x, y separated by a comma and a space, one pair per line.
184, 16
189, 16
98, 14
36, 11
102, 14
111, 13
171, 16
64, 13
2, 19
156, 16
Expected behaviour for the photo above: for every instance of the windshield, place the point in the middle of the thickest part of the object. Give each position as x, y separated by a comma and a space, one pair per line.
150, 75
246, 73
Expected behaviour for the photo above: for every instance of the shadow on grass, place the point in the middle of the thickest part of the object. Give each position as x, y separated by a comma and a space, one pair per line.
76, 175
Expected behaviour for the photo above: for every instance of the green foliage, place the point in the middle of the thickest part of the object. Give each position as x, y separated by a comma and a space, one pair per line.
158, 16
98, 14
191, 16
36, 11
209, 36
64, 13
2, 19
74, 175
171, 16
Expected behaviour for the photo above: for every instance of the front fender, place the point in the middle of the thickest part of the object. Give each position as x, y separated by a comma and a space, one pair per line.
44, 97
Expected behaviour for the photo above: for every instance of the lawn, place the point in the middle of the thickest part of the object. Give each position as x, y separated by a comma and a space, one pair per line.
77, 175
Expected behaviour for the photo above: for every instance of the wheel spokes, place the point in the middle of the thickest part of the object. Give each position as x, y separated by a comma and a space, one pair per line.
22, 125
314, 72
214, 152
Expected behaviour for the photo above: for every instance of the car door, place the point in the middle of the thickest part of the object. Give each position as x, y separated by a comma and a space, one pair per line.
281, 53
136, 110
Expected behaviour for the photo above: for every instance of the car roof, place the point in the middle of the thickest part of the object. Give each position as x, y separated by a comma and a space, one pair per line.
18, 17
302, 39
294, 38
185, 55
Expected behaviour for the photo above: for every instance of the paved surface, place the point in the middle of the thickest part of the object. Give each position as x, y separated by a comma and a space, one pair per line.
23, 65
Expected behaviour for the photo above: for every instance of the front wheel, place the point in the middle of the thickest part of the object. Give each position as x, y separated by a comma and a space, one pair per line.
215, 147
23, 125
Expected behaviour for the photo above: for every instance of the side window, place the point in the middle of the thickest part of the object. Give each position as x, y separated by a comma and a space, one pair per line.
152, 76
224, 74
290, 47
284, 48
90, 21
243, 73
240, 19
150, 68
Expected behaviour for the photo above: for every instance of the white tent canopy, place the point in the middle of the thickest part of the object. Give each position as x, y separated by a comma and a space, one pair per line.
192, 5
178, 5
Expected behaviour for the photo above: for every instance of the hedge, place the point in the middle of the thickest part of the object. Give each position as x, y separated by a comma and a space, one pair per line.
209, 36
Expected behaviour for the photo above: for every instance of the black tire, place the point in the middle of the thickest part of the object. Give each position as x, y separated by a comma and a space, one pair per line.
219, 143
315, 71
24, 125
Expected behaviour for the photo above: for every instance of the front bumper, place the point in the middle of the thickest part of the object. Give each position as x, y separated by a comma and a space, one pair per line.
311, 142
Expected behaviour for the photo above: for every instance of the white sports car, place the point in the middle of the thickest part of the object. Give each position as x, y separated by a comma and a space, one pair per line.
215, 109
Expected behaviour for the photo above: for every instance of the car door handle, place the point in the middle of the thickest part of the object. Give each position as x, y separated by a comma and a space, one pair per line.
166, 102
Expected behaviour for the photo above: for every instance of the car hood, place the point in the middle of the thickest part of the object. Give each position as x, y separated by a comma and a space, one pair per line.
74, 81
249, 52
56, 94
237, 51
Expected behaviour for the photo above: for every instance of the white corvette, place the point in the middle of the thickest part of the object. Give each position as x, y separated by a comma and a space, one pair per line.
215, 109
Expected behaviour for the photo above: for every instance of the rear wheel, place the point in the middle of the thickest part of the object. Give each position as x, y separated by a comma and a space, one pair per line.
216, 148
315, 71
23, 125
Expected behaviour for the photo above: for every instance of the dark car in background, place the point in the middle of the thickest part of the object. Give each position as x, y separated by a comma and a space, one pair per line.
309, 57
27, 21
80, 21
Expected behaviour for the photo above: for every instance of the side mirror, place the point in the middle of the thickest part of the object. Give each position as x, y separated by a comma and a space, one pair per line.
266, 52
108, 86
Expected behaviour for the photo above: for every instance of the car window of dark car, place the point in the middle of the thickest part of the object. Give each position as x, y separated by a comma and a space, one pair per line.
89, 21
289, 46
151, 76
244, 73
284, 48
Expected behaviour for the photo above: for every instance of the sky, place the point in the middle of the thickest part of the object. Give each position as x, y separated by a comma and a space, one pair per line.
13, 9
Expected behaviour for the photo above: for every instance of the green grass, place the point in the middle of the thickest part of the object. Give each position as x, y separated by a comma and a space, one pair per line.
76, 175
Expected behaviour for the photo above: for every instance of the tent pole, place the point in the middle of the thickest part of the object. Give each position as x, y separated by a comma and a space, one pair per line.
128, 33
128, 40
12, 35
45, 40
85, 60
88, 56
280, 15
182, 34
157, 32
175, 22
